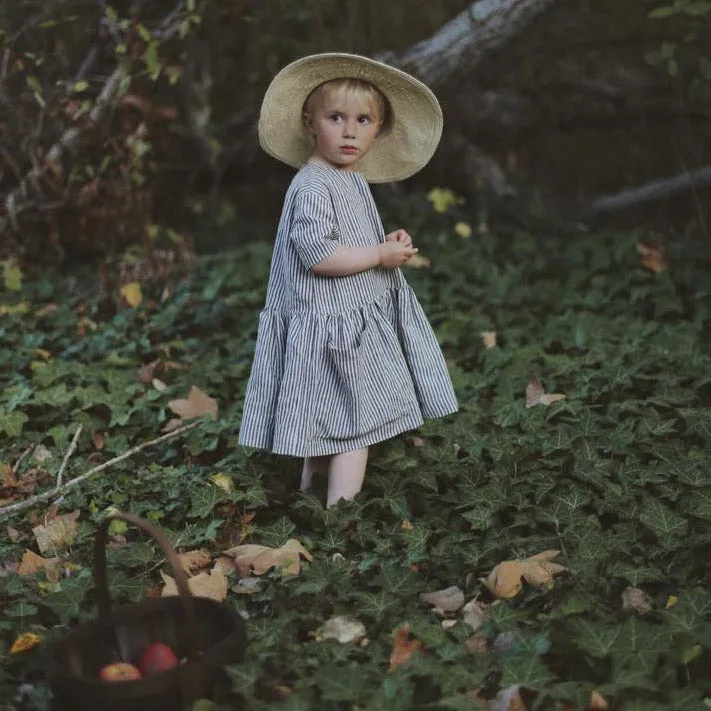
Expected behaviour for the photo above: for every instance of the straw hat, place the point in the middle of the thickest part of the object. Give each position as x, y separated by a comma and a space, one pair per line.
399, 151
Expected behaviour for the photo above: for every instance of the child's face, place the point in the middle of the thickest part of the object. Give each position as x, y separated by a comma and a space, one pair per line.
344, 129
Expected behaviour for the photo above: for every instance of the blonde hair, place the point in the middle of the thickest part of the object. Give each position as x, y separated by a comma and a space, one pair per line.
347, 89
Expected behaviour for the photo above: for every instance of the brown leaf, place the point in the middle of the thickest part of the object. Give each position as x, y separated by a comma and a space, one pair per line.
477, 643
653, 258
597, 703
99, 439
403, 647
505, 580
636, 599
262, 558
196, 405
488, 338
212, 585
31, 563
225, 565
194, 561
536, 396
57, 533
447, 600
145, 372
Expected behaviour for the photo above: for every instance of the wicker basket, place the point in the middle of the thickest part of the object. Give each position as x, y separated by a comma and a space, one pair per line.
208, 634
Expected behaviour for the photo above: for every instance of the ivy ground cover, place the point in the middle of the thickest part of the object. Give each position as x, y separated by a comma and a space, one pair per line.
615, 477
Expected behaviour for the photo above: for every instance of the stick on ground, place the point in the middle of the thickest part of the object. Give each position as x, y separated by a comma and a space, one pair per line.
60, 488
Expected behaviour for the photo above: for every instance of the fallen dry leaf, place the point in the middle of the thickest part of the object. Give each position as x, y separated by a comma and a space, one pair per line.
597, 703
443, 601
25, 642
197, 404
536, 396
31, 563
343, 629
653, 258
145, 372
262, 558
58, 533
505, 580
13, 534
159, 385
223, 481
131, 294
637, 600
403, 647
406, 526
225, 564
212, 585
488, 338
194, 561
448, 624
477, 643
475, 614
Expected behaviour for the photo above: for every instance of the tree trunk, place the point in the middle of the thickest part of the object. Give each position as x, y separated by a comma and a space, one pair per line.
469, 37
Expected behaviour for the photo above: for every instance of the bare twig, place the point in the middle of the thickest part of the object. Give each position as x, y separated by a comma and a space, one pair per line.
45, 496
21, 458
69, 453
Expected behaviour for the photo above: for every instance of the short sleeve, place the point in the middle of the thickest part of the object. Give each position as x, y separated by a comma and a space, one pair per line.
313, 228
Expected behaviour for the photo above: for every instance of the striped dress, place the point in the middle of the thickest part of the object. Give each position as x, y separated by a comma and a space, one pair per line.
340, 363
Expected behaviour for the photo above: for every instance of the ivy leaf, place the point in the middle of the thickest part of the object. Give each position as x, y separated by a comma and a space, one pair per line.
67, 602
204, 500
662, 521
11, 423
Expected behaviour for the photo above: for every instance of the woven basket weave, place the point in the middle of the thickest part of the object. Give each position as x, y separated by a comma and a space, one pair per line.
207, 633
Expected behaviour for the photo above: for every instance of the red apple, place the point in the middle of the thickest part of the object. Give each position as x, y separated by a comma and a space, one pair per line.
119, 671
156, 658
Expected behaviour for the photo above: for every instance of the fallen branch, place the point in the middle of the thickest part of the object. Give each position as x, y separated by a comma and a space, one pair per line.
70, 451
61, 488
655, 190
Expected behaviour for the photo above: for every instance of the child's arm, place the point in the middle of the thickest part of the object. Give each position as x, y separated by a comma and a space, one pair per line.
352, 260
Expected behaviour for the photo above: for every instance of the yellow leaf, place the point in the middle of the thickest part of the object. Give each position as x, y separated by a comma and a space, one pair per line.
43, 353
673, 599
212, 585
11, 275
506, 579
131, 293
223, 481
463, 230
10, 309
442, 199
488, 338
196, 405
535, 394
262, 558
26, 641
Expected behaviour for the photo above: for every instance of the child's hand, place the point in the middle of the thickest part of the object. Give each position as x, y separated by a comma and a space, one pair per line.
394, 254
399, 236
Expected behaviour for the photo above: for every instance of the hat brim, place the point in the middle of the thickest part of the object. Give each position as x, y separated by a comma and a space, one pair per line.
405, 148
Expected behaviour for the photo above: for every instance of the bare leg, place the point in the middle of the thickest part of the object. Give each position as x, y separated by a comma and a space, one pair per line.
312, 465
345, 475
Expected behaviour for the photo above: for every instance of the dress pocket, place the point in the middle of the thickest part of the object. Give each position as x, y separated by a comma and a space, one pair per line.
364, 387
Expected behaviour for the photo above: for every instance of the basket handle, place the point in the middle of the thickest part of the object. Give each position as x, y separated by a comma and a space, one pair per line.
181, 579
